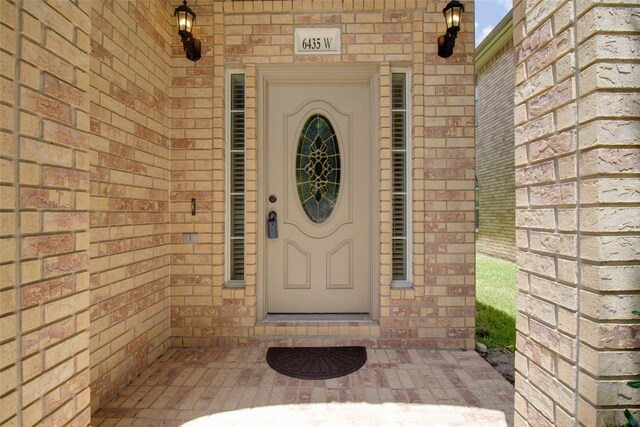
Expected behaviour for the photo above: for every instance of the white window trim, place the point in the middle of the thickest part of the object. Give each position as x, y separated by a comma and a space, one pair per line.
227, 229
408, 281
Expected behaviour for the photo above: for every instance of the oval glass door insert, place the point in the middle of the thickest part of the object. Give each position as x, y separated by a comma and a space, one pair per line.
318, 168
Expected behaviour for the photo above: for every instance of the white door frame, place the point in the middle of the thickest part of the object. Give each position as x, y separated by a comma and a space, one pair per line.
300, 73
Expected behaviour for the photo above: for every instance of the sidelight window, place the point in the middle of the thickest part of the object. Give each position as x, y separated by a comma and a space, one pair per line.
401, 183
235, 177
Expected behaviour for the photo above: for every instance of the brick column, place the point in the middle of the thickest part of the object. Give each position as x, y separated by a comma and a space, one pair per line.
578, 210
44, 213
130, 164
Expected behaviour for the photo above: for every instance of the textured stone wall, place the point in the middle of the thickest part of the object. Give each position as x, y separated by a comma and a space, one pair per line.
578, 210
44, 213
494, 156
130, 180
439, 310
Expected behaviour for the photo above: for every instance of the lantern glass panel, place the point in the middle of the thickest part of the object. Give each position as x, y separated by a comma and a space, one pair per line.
455, 16
452, 14
185, 21
448, 16
180, 21
190, 20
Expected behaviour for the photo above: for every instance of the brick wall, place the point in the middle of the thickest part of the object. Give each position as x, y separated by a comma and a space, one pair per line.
130, 180
577, 229
197, 171
439, 311
494, 156
108, 132
44, 213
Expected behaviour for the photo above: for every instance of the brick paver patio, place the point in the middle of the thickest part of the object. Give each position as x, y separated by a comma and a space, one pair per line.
212, 386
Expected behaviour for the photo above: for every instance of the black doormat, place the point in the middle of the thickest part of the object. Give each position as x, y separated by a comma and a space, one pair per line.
316, 363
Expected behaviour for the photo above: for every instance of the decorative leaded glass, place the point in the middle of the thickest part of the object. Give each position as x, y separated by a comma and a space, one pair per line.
318, 168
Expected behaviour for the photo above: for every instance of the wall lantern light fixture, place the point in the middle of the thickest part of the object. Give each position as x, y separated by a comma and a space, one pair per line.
186, 19
452, 14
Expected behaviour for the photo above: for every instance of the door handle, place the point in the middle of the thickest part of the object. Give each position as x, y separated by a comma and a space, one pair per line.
272, 225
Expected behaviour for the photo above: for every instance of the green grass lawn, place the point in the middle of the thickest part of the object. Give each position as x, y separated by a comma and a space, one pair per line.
496, 302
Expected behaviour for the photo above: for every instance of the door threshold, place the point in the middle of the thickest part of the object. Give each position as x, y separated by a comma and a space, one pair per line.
318, 317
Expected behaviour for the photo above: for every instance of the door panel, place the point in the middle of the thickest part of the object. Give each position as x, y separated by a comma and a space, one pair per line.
319, 265
297, 266
339, 267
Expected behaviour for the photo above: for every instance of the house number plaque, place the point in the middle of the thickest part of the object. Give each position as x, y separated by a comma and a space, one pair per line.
319, 41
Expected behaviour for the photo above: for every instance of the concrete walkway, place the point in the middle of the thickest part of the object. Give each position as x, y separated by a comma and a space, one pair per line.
213, 386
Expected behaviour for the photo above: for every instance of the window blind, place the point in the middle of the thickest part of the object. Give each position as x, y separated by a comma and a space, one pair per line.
399, 195
236, 176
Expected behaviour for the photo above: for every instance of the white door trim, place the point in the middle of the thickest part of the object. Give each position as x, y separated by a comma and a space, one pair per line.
314, 73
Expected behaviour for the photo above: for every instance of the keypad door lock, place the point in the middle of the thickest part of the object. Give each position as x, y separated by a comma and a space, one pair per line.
272, 225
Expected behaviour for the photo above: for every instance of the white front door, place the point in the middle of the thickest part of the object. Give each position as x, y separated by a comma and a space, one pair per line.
318, 155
